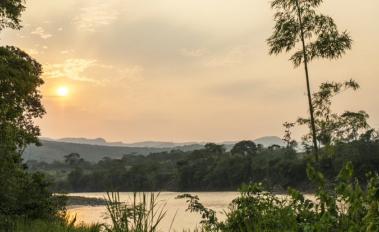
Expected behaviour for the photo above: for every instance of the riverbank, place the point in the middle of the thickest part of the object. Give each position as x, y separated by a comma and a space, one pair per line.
85, 201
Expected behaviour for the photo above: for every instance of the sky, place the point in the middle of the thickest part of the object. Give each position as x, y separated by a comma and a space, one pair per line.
183, 70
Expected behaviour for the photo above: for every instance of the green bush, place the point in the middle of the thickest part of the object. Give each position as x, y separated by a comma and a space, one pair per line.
344, 207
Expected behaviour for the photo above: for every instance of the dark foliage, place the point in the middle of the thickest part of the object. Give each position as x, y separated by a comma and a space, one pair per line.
211, 168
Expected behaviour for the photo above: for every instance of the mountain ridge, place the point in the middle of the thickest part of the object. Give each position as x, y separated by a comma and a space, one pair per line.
265, 141
96, 149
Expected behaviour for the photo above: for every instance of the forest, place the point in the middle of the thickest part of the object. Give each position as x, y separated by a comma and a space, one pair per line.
209, 169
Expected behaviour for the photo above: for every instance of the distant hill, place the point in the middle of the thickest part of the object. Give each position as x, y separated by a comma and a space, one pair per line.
51, 151
269, 141
94, 150
103, 142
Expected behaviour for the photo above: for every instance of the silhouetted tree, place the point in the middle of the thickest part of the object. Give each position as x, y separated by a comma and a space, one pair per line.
298, 22
245, 148
73, 159
214, 148
274, 147
332, 127
287, 138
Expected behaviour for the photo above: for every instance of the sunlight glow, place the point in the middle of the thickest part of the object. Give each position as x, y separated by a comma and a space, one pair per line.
63, 91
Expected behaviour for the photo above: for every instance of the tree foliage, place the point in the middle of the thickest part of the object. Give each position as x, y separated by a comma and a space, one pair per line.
332, 127
22, 194
293, 17
244, 148
20, 98
287, 138
10, 12
344, 206
202, 170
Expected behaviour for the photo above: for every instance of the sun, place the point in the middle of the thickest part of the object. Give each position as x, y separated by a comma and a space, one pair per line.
63, 91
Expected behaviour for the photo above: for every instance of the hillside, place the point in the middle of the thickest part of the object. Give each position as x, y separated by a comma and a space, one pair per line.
94, 150
51, 151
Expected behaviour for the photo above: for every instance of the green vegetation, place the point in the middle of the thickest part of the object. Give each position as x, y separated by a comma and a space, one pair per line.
297, 22
210, 170
142, 214
26, 202
345, 206
51, 151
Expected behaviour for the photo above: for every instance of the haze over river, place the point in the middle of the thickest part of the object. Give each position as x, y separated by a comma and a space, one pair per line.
176, 208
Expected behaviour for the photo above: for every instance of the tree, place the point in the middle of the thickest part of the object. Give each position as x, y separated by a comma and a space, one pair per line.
213, 148
20, 98
10, 12
287, 138
245, 148
73, 159
297, 23
333, 127
21, 194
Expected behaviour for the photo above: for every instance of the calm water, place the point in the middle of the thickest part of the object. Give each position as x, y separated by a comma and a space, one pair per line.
217, 201
176, 208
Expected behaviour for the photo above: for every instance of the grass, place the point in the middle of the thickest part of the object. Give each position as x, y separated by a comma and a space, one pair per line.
53, 226
143, 213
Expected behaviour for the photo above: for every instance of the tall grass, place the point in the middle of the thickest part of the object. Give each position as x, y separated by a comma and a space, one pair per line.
143, 213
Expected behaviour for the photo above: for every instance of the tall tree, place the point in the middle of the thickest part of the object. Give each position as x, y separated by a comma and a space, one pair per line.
21, 193
299, 25
20, 98
19, 82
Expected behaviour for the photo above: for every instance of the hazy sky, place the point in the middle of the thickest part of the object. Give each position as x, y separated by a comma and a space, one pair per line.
183, 70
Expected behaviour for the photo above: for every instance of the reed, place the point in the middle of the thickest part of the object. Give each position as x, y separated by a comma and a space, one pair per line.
143, 213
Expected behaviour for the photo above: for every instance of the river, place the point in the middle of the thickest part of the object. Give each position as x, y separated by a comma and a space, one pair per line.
176, 209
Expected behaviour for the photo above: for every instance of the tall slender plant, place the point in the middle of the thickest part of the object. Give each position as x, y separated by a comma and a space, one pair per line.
313, 35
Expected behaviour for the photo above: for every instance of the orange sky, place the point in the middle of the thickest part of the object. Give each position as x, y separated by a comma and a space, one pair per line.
183, 70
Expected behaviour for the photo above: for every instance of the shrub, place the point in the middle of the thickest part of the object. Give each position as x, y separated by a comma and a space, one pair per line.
344, 207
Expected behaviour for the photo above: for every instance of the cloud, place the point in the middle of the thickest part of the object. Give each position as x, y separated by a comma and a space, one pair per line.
237, 88
32, 51
40, 31
230, 57
192, 52
95, 16
71, 68
65, 52
91, 70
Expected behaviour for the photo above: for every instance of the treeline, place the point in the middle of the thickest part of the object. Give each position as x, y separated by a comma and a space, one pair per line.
209, 169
